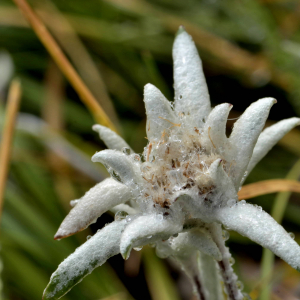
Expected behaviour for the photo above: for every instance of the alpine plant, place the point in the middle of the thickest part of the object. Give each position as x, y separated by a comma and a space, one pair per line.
182, 189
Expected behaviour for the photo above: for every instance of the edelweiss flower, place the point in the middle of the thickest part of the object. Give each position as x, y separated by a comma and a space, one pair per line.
182, 189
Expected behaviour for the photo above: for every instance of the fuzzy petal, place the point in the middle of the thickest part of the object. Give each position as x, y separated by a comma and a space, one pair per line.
215, 128
268, 138
110, 138
198, 240
244, 136
119, 165
191, 93
159, 113
147, 229
123, 207
224, 190
93, 253
92, 205
257, 225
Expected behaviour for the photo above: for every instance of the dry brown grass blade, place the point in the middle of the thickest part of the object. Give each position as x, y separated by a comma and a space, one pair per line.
267, 187
13, 102
64, 32
63, 63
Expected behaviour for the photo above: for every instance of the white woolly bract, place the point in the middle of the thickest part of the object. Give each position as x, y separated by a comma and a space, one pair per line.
254, 223
110, 138
183, 186
92, 205
93, 253
146, 229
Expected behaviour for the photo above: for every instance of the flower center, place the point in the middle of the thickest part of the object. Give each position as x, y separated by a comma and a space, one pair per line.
174, 164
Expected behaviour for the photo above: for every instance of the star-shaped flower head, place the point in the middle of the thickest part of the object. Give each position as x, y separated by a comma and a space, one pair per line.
184, 185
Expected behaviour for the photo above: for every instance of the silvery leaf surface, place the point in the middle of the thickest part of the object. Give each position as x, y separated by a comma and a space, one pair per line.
92, 205
269, 138
224, 188
260, 227
124, 207
93, 253
210, 276
111, 139
147, 229
191, 93
244, 136
214, 130
123, 165
195, 239
160, 116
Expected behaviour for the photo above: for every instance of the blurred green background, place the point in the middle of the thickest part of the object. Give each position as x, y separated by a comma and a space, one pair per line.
250, 49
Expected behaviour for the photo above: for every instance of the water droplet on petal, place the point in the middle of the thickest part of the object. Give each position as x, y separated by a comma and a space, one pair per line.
225, 235
231, 260
88, 237
240, 285
126, 150
138, 248
246, 297
136, 157
243, 202
160, 217
292, 235
128, 219
120, 215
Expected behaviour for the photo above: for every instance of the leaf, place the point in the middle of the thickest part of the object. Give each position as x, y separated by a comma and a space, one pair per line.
93, 253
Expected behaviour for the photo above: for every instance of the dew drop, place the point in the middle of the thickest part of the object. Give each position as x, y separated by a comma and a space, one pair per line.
128, 219
149, 237
126, 150
160, 217
246, 297
136, 157
137, 248
231, 260
292, 235
88, 237
243, 201
240, 285
225, 235
114, 175
120, 215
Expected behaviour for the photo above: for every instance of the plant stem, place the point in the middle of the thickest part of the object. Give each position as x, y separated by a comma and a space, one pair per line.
229, 277
190, 264
13, 101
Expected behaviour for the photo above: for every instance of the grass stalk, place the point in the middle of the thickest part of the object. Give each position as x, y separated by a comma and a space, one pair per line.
67, 69
267, 187
13, 102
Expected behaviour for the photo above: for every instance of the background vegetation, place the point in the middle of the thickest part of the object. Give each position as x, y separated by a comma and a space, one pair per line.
250, 49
